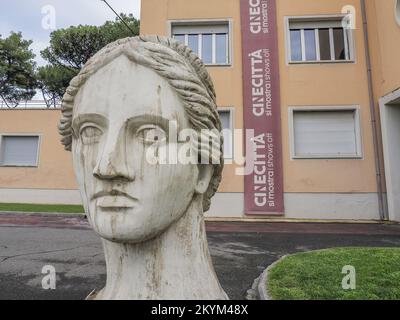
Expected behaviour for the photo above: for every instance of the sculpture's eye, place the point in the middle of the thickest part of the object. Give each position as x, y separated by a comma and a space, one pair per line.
150, 134
90, 134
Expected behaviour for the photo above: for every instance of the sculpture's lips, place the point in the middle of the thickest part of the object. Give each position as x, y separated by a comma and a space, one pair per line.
114, 199
115, 202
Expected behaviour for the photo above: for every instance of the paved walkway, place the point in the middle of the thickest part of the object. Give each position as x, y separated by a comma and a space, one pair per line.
240, 251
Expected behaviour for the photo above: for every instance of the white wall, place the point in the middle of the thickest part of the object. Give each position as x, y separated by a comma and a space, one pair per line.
324, 206
390, 118
40, 196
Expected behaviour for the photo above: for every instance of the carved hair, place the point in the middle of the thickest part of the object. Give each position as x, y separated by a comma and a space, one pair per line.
173, 61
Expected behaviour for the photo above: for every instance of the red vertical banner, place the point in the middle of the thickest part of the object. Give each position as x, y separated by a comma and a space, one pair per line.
261, 103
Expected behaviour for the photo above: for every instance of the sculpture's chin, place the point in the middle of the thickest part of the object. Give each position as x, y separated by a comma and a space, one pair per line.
127, 225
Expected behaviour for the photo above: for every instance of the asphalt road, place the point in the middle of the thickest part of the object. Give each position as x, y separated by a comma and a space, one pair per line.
240, 252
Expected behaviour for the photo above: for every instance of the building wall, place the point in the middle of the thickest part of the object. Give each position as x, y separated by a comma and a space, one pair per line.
301, 85
54, 171
326, 84
329, 84
384, 34
384, 46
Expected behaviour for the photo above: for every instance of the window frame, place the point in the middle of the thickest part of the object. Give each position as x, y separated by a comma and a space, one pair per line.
204, 23
397, 11
231, 111
318, 23
8, 134
359, 155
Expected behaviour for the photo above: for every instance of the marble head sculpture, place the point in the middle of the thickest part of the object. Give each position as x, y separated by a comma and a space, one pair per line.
149, 215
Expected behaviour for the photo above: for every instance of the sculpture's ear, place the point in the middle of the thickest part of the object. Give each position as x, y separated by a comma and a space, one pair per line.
203, 180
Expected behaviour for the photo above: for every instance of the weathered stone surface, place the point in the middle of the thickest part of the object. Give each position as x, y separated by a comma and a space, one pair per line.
149, 215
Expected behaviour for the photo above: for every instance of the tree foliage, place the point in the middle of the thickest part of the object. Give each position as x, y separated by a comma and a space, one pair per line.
17, 70
52, 81
70, 48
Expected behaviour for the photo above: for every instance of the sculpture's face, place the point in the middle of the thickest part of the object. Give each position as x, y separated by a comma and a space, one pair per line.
122, 111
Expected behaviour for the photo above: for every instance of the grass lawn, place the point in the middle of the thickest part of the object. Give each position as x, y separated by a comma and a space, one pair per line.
317, 275
41, 208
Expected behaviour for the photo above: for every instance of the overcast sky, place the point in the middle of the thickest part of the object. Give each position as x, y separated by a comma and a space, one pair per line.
26, 16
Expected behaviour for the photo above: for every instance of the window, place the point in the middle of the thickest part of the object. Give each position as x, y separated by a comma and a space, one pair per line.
325, 133
397, 11
209, 42
19, 150
319, 40
226, 121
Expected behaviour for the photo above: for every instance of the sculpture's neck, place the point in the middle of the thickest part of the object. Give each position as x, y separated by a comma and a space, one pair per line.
174, 265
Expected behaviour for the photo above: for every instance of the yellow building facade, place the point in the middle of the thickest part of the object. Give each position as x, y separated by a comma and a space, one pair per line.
339, 69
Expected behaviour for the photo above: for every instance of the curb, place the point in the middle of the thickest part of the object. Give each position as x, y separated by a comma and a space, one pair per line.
263, 283
227, 219
259, 290
43, 214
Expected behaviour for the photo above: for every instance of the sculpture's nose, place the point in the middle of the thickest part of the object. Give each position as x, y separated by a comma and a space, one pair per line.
113, 162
